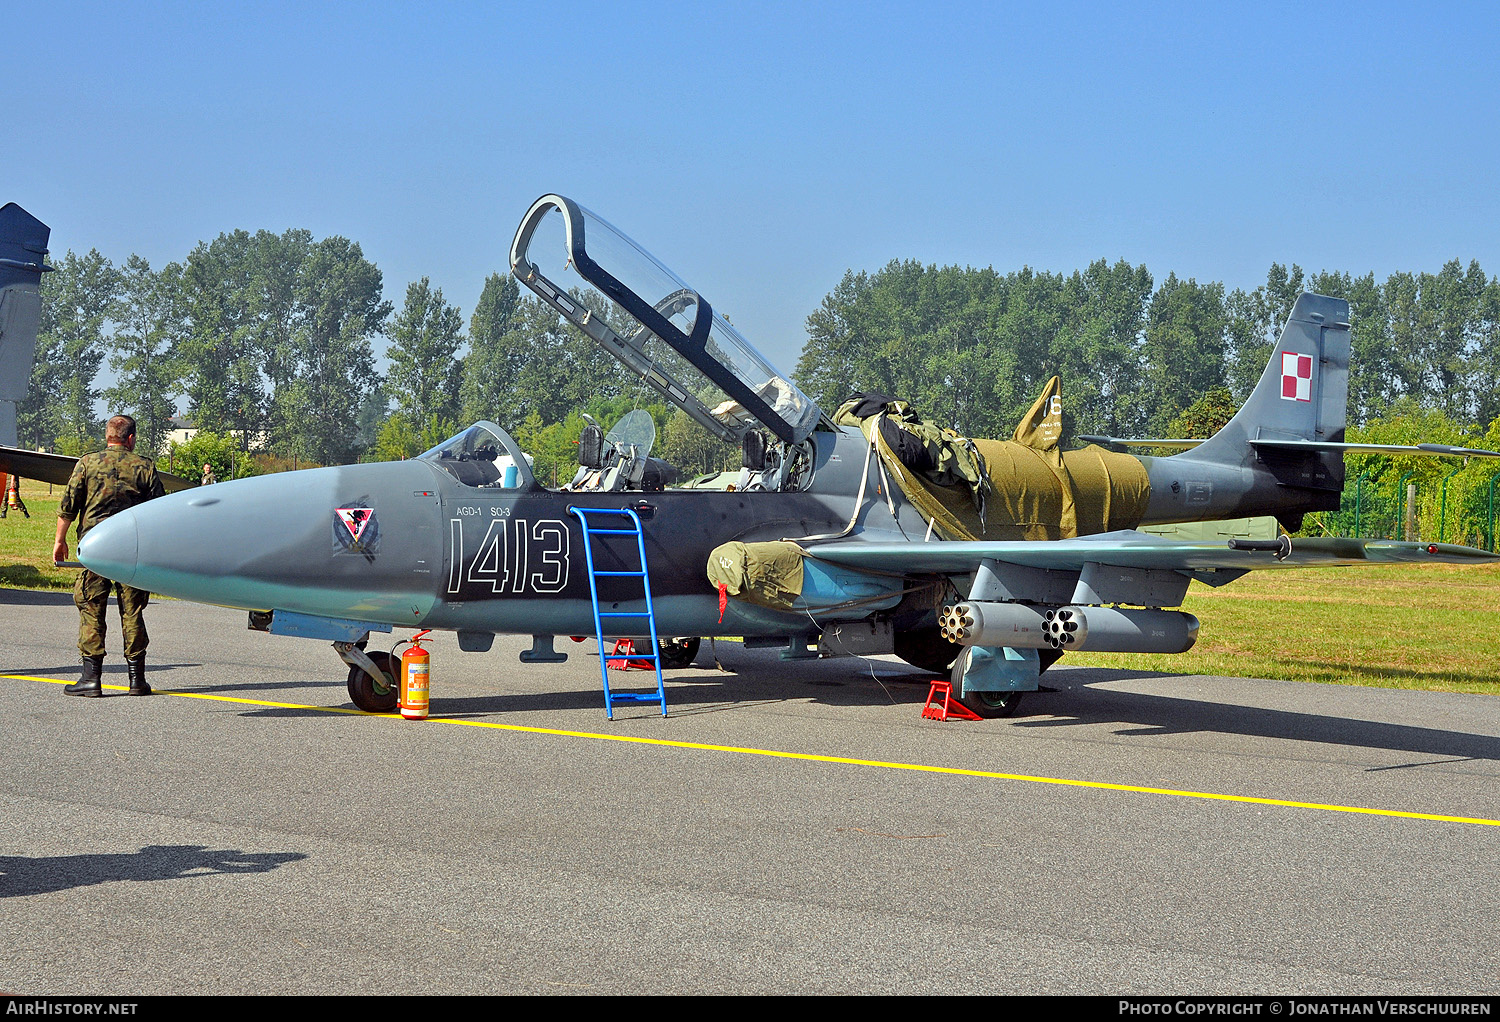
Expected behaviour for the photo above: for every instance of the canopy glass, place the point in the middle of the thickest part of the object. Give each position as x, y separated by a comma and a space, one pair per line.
620, 295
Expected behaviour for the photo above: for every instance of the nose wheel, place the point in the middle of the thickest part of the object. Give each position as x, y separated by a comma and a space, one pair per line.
369, 693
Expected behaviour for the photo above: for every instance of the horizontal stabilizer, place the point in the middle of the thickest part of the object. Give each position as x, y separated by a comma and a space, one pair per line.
1435, 450
1311, 446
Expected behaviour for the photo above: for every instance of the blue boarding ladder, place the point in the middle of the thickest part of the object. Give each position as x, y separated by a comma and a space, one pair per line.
589, 532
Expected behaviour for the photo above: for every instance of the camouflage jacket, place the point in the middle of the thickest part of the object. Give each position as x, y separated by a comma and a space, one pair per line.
105, 483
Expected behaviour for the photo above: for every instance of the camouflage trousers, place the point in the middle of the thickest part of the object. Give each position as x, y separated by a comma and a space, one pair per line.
91, 595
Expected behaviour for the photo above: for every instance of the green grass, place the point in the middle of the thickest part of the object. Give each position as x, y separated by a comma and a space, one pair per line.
1395, 626
1398, 626
26, 543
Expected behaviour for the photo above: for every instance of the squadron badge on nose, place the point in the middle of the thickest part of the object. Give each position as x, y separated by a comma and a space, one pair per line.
355, 531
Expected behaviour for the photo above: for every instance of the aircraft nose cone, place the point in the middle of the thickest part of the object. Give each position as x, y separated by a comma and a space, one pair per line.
110, 548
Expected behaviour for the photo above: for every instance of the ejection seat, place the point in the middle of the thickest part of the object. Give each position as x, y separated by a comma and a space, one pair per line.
610, 467
591, 471
475, 469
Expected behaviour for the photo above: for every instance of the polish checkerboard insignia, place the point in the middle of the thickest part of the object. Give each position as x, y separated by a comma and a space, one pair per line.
1296, 376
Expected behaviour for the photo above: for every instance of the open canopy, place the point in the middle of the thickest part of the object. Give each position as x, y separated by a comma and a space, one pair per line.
623, 298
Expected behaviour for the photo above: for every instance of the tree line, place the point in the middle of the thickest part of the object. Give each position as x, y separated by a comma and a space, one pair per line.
971, 348
268, 340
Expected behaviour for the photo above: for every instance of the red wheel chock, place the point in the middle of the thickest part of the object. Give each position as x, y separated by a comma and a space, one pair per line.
947, 707
625, 658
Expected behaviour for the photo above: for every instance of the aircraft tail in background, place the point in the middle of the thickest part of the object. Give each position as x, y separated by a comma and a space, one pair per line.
23, 249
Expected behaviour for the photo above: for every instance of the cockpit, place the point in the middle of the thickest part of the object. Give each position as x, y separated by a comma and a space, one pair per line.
484, 456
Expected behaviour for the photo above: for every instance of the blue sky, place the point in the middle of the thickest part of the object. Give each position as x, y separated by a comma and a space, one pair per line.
762, 149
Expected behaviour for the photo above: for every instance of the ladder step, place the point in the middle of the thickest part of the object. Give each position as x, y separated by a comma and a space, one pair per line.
621, 660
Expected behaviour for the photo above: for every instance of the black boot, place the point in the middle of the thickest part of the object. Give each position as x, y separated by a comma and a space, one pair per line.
136, 669
88, 685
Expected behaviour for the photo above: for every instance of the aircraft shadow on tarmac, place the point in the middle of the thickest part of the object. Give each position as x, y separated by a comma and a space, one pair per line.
116, 671
755, 678
21, 875
1078, 700
260, 686
36, 597
685, 695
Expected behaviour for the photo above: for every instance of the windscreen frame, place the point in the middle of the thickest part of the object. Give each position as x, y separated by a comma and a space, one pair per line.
691, 346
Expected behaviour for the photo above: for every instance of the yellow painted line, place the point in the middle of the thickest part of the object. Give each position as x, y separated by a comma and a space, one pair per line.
842, 760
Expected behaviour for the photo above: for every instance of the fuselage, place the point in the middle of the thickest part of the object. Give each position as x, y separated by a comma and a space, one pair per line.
430, 551
464, 538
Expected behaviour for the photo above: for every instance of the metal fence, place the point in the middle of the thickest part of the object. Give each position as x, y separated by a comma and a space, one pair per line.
1456, 506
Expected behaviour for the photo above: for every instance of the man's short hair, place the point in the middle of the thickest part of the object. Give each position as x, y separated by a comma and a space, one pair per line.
119, 429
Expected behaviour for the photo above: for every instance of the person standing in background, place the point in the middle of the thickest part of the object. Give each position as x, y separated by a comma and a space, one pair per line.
12, 498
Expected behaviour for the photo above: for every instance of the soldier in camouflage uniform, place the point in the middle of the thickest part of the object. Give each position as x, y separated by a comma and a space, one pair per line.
102, 484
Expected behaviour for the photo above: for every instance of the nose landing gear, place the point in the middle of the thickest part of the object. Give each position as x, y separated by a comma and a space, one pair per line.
372, 677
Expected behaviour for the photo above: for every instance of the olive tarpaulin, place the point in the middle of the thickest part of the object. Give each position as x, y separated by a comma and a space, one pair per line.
769, 574
1024, 488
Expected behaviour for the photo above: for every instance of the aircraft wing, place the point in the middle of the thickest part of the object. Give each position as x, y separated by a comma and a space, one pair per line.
57, 468
1130, 549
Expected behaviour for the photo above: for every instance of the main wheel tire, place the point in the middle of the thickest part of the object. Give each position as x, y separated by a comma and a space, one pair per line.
992, 705
925, 648
989, 705
362, 686
677, 653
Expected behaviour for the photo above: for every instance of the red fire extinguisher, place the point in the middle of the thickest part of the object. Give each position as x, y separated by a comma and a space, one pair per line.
415, 673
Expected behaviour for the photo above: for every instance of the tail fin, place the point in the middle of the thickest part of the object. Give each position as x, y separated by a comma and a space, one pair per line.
1283, 452
1302, 397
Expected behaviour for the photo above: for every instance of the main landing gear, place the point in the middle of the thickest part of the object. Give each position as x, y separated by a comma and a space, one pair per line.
993, 705
678, 652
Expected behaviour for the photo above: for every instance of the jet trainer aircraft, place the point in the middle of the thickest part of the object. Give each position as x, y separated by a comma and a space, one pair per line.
866, 531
